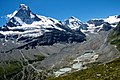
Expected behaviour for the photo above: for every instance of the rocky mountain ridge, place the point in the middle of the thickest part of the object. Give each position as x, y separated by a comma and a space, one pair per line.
24, 23
41, 46
26, 26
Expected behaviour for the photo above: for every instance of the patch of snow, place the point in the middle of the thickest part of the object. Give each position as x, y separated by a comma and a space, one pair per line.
25, 27
73, 23
58, 73
112, 19
23, 6
77, 66
97, 19
74, 19
13, 42
100, 27
114, 26
9, 32
19, 20
94, 57
12, 15
55, 21
32, 16
32, 35
88, 57
62, 71
65, 69
3, 44
29, 33
115, 46
92, 28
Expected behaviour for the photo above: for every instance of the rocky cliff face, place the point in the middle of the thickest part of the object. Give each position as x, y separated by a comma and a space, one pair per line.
39, 45
33, 29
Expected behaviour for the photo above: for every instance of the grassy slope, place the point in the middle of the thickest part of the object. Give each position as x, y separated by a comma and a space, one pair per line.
9, 69
109, 71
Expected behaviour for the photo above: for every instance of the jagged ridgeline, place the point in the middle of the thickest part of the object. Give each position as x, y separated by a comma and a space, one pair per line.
26, 26
20, 39
35, 47
106, 71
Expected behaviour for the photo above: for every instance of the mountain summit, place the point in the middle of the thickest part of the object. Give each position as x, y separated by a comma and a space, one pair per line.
34, 47
73, 22
24, 25
23, 7
23, 16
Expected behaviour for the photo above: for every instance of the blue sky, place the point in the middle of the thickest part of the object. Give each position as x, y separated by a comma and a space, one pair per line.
62, 9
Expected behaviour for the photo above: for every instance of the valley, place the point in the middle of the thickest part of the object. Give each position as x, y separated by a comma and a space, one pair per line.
35, 47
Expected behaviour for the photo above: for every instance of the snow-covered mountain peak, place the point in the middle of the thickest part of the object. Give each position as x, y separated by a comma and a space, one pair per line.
24, 25
113, 19
24, 22
24, 7
93, 25
73, 22
72, 18
21, 7
22, 16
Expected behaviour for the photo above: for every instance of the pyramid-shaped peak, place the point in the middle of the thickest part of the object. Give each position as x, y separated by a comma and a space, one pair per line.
22, 16
74, 18
23, 6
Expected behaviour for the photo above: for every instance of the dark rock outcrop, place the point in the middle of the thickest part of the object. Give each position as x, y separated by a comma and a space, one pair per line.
96, 22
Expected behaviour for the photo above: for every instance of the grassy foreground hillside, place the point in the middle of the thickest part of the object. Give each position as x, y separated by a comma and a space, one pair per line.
108, 71
9, 69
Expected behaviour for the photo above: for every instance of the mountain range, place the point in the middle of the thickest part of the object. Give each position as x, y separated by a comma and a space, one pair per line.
44, 46
24, 23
